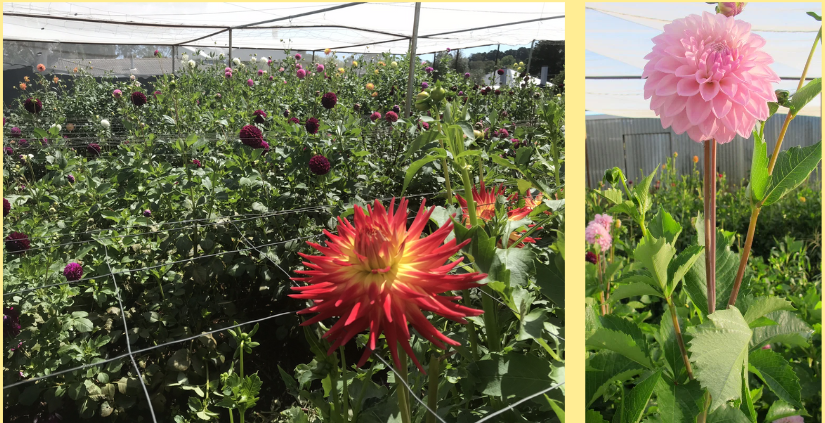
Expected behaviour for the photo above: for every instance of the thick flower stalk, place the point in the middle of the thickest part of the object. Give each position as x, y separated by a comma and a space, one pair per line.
377, 274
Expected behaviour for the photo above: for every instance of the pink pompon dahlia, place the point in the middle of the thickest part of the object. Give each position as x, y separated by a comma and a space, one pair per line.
73, 271
375, 116
707, 75
391, 116
605, 220
595, 233
301, 74
377, 274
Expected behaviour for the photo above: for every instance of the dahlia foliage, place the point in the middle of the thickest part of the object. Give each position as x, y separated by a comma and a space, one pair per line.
377, 274
485, 203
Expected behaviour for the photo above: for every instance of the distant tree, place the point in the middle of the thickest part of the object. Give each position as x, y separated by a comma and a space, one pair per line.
507, 61
547, 53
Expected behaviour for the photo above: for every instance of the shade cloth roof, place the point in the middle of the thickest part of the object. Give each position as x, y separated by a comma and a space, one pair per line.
351, 27
618, 36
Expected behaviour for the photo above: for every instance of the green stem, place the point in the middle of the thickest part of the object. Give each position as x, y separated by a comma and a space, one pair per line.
468, 189
356, 408
345, 395
471, 329
490, 320
403, 395
432, 397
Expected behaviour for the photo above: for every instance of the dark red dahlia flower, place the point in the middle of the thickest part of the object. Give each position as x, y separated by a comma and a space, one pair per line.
93, 149
329, 100
391, 116
294, 120
17, 241
33, 105
139, 99
6, 207
591, 257
260, 116
73, 271
252, 136
319, 165
312, 125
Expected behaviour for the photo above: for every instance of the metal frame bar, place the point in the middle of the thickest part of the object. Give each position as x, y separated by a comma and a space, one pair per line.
412, 55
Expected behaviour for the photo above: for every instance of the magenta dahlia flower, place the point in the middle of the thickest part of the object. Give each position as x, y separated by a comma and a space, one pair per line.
424, 125
425, 85
428, 69
500, 71
139, 99
11, 322
312, 125
196, 162
6, 207
93, 149
23, 143
297, 56
375, 116
591, 257
707, 75
260, 72
16, 132
319, 165
228, 75
319, 68
73, 271
329, 100
117, 93
250, 82
294, 120
70, 178
396, 109
730, 8
466, 75
391, 116
147, 213
157, 53
33, 105
260, 116
8, 150
157, 93
17, 241
301, 74
252, 136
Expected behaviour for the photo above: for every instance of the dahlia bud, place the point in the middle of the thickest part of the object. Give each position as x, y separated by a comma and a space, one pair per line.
730, 8
782, 97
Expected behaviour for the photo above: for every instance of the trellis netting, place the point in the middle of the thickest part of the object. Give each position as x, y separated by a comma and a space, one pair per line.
618, 37
300, 27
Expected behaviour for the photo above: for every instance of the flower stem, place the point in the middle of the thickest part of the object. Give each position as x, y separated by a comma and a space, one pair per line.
471, 329
468, 189
403, 395
345, 395
743, 261
432, 397
679, 339
710, 223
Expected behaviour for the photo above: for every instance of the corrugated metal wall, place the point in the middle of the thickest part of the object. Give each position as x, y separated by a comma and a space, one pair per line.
637, 146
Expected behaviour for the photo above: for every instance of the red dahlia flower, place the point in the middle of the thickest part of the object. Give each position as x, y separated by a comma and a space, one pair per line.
329, 100
391, 116
379, 275
252, 136
486, 210
6, 207
319, 165
260, 116
17, 241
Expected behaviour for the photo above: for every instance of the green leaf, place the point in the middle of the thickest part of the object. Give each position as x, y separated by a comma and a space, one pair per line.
670, 344
605, 368
635, 402
781, 409
611, 194
416, 166
520, 263
792, 168
634, 290
512, 376
778, 374
789, 330
420, 141
719, 349
655, 255
815, 16
678, 403
727, 414
622, 343
727, 263
550, 279
592, 416
642, 193
805, 95
681, 265
664, 226
759, 166
83, 325
747, 400
758, 307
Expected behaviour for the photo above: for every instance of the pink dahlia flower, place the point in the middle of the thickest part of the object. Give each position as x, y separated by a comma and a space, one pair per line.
301, 74
596, 233
604, 219
319, 67
250, 82
707, 75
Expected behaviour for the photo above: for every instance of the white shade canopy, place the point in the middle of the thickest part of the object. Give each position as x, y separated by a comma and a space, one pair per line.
618, 37
345, 27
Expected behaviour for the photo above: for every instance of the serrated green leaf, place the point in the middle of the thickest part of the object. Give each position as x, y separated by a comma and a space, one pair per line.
719, 349
605, 368
792, 168
758, 307
678, 403
613, 195
664, 226
670, 343
789, 330
592, 416
416, 166
634, 290
655, 256
622, 343
727, 414
635, 402
777, 374
679, 266
781, 409
727, 263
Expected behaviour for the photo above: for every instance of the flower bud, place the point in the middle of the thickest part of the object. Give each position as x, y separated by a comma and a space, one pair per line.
730, 8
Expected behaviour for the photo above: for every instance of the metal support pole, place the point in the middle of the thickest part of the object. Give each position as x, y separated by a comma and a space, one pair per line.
413, 45
497, 50
174, 57
313, 56
530, 57
230, 48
